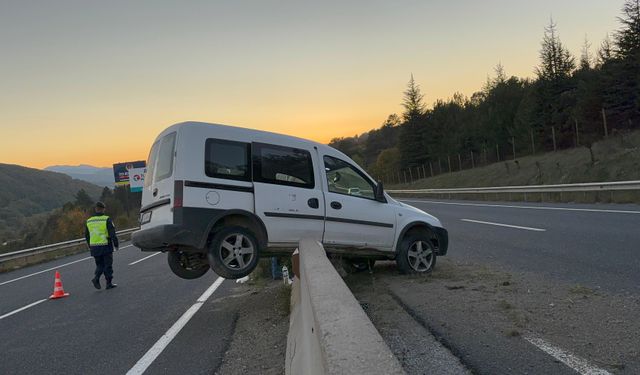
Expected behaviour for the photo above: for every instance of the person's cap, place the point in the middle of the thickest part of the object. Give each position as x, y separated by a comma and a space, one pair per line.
100, 205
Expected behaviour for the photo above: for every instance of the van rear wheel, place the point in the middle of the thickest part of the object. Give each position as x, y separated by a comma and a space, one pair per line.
233, 252
187, 265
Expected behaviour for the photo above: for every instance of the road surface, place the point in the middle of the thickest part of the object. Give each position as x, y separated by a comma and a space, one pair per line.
113, 331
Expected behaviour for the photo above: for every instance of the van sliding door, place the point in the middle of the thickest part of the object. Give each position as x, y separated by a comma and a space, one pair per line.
288, 193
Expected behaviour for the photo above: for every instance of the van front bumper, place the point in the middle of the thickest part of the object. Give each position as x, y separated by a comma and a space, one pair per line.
443, 240
163, 236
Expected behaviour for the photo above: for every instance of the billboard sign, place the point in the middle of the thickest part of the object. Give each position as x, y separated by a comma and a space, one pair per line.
136, 179
121, 172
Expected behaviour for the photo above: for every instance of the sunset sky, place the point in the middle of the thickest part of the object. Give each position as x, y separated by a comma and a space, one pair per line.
94, 82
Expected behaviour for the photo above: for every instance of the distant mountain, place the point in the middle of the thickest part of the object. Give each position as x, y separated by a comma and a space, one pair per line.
25, 192
95, 175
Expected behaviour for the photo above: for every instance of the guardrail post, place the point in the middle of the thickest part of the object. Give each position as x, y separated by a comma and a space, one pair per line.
604, 123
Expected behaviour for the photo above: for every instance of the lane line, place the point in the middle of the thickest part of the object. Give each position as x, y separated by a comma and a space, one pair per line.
504, 225
526, 207
147, 257
51, 269
21, 309
576, 363
153, 353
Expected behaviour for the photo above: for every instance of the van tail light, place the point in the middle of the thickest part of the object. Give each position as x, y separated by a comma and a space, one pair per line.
177, 193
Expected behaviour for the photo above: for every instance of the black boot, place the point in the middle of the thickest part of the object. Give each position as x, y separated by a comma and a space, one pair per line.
96, 283
111, 285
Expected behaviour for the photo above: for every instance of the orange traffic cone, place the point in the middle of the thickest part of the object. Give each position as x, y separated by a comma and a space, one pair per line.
58, 292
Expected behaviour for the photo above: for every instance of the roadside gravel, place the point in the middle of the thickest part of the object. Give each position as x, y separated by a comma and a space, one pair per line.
259, 340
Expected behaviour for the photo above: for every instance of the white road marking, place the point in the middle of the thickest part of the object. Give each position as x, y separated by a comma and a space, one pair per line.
153, 353
43, 271
527, 207
51, 269
147, 257
504, 225
21, 309
576, 363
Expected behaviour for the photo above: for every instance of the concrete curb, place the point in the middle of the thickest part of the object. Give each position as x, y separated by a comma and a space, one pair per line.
329, 333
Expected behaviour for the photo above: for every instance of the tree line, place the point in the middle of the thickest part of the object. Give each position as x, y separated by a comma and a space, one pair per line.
68, 222
572, 101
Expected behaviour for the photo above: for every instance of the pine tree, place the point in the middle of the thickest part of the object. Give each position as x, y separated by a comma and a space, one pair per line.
628, 38
412, 102
83, 200
605, 53
556, 62
585, 56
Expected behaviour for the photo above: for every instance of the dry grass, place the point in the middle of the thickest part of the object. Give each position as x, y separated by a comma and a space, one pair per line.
617, 159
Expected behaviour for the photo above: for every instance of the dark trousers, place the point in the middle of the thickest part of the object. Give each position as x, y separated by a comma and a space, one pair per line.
104, 265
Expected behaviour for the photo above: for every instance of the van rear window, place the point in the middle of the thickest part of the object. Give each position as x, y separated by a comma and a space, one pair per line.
227, 159
164, 164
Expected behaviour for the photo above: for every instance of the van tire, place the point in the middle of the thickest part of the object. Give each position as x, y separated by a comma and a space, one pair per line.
187, 265
416, 254
224, 243
355, 265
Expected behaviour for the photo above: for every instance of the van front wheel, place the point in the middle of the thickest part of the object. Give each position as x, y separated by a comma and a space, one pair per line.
187, 265
233, 252
416, 253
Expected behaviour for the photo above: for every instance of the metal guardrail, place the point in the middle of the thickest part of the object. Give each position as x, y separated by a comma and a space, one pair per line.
52, 247
558, 188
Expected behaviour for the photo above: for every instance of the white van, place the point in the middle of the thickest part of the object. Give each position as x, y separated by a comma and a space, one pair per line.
221, 197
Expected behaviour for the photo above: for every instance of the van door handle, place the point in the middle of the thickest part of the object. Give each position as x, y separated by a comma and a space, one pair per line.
155, 192
313, 203
336, 205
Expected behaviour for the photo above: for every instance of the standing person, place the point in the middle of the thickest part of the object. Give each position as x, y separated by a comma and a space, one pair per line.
102, 240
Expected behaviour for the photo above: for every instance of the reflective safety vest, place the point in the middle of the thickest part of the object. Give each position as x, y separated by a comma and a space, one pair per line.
98, 233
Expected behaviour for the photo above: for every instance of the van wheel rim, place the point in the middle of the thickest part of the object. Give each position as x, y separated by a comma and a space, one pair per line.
237, 251
420, 256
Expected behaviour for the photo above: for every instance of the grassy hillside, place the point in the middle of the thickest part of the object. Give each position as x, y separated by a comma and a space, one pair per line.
27, 192
616, 159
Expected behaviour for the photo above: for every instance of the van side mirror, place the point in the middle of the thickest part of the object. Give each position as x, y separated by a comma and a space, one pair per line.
379, 193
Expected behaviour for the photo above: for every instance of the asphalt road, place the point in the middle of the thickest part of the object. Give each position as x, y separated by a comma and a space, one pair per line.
593, 245
110, 331
532, 325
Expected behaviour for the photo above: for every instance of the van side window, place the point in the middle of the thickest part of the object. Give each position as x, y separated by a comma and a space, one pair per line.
227, 159
164, 164
282, 166
343, 178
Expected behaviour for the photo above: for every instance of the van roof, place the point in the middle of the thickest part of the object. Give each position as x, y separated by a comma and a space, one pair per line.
239, 131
